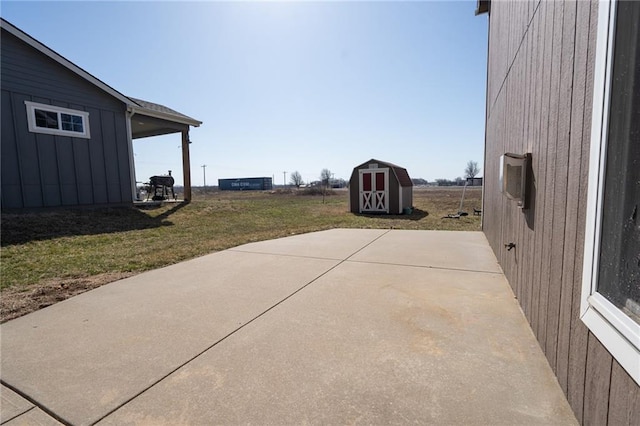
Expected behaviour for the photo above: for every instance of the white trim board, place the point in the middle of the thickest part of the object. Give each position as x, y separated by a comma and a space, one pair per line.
613, 328
31, 120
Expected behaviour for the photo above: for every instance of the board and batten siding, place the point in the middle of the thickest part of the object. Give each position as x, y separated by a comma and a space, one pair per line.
41, 170
539, 100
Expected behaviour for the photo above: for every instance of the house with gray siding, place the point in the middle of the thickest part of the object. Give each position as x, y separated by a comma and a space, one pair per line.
562, 189
67, 137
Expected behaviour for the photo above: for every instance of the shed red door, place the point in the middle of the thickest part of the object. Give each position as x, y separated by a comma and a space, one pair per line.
374, 190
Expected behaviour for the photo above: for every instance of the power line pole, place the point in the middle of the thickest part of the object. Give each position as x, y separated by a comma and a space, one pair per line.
285, 179
204, 174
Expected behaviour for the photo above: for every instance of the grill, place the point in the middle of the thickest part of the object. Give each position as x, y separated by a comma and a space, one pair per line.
161, 187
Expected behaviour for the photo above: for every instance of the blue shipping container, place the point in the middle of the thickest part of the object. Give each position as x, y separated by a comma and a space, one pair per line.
246, 184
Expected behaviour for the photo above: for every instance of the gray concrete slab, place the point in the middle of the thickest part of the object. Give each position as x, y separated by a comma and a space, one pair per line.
33, 417
336, 244
83, 357
12, 404
342, 326
370, 344
440, 249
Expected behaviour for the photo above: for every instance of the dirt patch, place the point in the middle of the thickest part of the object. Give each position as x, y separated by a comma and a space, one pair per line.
16, 302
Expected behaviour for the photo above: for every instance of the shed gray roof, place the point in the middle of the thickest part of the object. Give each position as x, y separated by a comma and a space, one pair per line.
400, 172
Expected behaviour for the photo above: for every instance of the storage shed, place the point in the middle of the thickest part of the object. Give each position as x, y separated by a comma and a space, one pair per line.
379, 187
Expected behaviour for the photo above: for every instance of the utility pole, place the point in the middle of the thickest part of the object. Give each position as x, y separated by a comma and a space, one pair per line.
204, 174
285, 179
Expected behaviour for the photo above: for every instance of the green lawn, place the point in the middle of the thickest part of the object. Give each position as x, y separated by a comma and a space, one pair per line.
64, 244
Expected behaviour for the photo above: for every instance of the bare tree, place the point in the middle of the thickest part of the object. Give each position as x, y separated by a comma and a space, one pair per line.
471, 170
325, 177
296, 179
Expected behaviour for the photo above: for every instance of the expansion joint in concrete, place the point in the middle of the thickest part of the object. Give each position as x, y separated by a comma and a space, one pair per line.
443, 268
232, 332
35, 403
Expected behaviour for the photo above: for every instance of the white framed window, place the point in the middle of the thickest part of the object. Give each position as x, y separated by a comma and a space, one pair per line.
610, 303
53, 120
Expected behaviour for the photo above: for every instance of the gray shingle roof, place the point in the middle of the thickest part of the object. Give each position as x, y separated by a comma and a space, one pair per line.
155, 109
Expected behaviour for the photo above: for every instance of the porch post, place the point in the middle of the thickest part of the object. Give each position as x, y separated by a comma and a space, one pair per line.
186, 165
132, 164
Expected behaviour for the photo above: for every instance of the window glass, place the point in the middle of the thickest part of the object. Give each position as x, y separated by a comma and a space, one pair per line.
71, 122
619, 271
46, 119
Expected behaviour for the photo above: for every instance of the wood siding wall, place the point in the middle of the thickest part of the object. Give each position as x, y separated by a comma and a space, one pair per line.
539, 96
40, 170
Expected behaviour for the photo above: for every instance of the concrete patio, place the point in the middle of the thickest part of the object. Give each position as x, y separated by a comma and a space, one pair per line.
334, 327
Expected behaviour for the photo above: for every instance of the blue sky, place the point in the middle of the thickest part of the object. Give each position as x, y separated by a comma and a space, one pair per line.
284, 86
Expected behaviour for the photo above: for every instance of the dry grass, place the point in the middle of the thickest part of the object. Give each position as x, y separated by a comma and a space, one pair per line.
85, 248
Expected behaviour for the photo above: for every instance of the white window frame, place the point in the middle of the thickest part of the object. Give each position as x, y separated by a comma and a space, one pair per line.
613, 328
31, 119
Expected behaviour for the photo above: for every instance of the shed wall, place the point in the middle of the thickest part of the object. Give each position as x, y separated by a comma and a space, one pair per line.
41, 170
407, 197
539, 100
354, 189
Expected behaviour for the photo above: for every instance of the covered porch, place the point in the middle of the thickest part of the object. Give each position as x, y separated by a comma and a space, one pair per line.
148, 119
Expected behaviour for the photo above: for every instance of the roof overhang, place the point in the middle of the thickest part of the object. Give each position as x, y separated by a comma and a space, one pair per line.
181, 119
151, 119
143, 126
483, 6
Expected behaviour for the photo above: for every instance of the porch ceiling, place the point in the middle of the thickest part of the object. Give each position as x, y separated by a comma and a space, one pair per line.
143, 126
151, 119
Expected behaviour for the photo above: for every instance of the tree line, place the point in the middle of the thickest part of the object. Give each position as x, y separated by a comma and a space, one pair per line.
326, 178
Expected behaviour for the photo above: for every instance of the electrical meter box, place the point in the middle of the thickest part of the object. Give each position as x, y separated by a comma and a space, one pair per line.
515, 177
